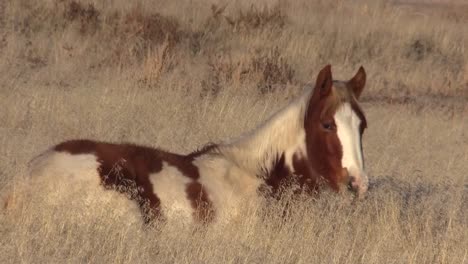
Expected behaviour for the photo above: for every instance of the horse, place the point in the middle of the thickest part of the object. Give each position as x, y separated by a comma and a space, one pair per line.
315, 141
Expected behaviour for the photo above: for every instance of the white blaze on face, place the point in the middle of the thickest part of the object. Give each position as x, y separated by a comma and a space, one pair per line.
347, 123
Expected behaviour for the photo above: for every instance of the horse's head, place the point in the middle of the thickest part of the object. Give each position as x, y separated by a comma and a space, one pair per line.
334, 124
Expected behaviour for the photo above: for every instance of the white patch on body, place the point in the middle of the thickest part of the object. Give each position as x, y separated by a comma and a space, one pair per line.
230, 189
347, 123
73, 181
298, 149
170, 186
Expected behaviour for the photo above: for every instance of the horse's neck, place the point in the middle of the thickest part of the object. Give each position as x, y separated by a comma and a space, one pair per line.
258, 151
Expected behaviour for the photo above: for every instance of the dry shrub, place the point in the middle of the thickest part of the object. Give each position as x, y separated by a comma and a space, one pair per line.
87, 17
121, 35
213, 30
32, 18
150, 28
268, 70
420, 49
218, 25
136, 34
214, 21
427, 48
444, 11
255, 18
222, 71
156, 63
271, 69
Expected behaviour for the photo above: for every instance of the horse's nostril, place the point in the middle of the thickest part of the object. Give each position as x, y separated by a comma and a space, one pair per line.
352, 183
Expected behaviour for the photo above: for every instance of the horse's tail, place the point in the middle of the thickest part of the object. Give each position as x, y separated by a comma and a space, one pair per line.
8, 200
37, 162
9, 197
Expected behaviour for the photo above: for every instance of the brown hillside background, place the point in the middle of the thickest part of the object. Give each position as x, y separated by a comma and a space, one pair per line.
178, 74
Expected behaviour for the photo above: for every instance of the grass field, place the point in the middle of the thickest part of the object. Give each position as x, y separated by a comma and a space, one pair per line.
178, 74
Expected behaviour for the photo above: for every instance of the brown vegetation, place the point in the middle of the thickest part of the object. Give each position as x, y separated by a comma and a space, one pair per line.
178, 74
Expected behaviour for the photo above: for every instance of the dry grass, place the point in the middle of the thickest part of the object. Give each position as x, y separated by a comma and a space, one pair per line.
179, 74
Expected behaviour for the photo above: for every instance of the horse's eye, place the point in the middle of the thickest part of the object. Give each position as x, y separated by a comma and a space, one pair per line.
328, 125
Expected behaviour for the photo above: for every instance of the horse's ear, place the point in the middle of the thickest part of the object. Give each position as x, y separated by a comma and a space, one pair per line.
324, 83
358, 82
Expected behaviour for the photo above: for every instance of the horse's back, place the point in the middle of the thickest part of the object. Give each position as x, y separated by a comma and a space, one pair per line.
140, 181
71, 180
155, 182
52, 165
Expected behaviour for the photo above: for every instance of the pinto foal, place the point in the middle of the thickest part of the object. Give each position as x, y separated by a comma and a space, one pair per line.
314, 139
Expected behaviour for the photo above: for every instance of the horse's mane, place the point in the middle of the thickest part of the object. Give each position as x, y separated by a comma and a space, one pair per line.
256, 150
210, 147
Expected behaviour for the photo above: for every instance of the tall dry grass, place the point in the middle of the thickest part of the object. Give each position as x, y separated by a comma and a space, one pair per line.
177, 74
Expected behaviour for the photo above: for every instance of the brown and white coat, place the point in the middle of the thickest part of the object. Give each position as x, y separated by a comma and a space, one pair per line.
315, 139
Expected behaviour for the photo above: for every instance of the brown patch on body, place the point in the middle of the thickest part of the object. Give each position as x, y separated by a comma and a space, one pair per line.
281, 176
202, 205
127, 168
308, 177
276, 179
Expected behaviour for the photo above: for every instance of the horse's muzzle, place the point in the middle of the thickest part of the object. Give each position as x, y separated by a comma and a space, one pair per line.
358, 183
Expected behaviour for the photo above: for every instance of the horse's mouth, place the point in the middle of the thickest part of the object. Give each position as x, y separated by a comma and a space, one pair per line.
357, 188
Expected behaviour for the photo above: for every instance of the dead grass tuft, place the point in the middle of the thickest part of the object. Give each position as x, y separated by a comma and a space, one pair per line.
122, 37
138, 24
87, 17
271, 70
151, 28
267, 70
158, 61
216, 19
419, 49
222, 71
258, 18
